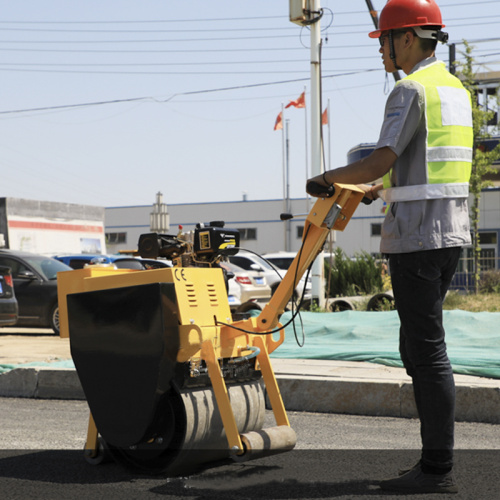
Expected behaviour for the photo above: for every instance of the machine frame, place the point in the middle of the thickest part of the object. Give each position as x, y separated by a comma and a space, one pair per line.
208, 336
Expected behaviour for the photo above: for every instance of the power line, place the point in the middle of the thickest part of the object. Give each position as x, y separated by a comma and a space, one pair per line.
220, 19
165, 100
217, 39
198, 30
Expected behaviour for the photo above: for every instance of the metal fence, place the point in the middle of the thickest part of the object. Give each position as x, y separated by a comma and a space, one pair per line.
464, 278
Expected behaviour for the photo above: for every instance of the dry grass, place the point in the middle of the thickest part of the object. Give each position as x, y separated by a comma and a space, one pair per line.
483, 302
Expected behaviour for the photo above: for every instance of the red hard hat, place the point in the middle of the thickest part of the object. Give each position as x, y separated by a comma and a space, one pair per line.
399, 14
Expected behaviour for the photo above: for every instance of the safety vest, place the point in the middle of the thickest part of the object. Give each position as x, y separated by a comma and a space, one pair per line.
448, 114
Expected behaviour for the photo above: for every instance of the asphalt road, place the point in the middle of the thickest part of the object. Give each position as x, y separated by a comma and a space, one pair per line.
337, 456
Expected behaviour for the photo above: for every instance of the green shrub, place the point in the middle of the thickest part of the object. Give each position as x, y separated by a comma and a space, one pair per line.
358, 276
490, 281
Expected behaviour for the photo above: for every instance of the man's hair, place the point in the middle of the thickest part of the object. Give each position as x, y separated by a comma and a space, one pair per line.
428, 44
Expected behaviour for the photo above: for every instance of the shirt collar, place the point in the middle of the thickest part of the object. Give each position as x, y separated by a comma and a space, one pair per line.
423, 64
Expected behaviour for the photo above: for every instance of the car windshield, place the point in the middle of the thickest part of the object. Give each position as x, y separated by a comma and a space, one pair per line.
246, 262
281, 262
47, 267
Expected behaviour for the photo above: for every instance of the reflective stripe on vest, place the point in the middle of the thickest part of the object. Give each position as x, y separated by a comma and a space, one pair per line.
448, 114
425, 192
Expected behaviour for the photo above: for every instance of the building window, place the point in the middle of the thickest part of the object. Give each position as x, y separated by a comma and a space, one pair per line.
488, 238
376, 229
300, 231
248, 233
115, 238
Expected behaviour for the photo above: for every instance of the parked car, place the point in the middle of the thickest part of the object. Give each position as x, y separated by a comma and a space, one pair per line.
254, 290
156, 263
35, 285
120, 262
274, 274
8, 301
233, 294
283, 261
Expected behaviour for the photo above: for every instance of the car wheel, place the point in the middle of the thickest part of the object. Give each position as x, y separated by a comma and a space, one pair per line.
54, 319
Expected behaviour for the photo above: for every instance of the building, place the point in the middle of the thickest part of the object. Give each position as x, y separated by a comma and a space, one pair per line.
51, 228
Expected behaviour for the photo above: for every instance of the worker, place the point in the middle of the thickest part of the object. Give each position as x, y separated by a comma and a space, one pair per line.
424, 155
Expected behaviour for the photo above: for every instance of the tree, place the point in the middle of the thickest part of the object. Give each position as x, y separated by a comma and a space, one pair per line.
482, 160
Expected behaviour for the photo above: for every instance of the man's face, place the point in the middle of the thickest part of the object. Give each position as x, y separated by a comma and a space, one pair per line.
385, 48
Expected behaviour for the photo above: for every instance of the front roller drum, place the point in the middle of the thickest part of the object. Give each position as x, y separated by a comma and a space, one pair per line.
188, 430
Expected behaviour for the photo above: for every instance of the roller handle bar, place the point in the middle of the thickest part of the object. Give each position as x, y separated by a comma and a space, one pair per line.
316, 188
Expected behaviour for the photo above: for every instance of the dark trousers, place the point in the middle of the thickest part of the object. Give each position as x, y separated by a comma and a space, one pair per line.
420, 281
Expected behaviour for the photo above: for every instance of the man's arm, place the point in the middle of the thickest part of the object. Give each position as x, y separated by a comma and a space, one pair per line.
369, 169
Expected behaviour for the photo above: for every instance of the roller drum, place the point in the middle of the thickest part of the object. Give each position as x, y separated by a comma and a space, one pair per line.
189, 430
265, 442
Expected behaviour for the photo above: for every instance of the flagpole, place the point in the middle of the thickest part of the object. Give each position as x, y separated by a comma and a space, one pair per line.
307, 152
329, 137
288, 208
284, 160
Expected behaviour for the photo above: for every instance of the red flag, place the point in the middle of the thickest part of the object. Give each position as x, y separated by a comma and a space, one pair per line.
324, 117
299, 103
279, 121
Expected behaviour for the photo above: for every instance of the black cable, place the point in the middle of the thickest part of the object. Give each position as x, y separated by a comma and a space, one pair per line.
295, 313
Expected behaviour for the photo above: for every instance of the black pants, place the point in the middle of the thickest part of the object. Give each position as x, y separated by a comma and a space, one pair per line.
420, 281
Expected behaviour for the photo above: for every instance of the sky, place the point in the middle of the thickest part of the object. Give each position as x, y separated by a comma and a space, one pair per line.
108, 103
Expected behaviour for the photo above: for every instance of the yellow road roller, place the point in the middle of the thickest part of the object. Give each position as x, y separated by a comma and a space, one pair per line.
173, 380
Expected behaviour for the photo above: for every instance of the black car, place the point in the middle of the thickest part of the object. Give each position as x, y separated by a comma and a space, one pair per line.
35, 284
8, 302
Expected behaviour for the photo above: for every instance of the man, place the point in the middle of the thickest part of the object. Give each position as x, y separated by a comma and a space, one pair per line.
424, 155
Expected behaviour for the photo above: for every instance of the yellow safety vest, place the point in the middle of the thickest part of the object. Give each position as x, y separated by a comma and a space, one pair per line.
448, 113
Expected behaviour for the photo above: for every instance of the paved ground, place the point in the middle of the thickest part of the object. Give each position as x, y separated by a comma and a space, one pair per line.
337, 457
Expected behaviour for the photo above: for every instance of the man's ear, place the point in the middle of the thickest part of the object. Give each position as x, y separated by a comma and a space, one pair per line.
410, 38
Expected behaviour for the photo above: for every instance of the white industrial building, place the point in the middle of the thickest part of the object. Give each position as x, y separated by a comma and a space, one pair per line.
51, 228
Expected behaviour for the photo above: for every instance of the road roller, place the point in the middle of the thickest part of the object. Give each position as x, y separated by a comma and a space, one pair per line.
172, 378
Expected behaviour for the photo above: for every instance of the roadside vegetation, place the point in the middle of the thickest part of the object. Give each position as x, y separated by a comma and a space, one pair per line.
473, 302
364, 276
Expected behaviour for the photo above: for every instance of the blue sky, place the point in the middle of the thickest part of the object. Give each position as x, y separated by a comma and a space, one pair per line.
106, 103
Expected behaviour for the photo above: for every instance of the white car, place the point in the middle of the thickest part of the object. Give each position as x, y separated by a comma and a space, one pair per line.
274, 274
253, 292
283, 261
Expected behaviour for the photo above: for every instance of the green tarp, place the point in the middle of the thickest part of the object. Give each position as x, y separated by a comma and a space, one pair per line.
473, 339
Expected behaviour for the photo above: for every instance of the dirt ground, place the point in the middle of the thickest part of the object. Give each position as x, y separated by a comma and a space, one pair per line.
24, 345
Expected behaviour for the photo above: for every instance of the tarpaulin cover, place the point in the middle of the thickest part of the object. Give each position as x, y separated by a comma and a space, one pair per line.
473, 339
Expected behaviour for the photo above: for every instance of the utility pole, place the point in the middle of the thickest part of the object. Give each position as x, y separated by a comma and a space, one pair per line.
317, 167
308, 13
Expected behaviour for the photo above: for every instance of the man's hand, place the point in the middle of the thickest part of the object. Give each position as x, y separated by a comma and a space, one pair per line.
317, 186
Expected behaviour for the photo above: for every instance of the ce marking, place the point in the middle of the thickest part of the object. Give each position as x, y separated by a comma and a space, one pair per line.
179, 275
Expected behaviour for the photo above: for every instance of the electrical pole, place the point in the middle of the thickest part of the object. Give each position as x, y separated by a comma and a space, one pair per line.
317, 167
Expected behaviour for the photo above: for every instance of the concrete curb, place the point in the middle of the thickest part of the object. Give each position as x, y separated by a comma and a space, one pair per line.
377, 398
358, 388
42, 383
306, 385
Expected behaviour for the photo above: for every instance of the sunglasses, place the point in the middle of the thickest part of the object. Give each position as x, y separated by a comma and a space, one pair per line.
394, 34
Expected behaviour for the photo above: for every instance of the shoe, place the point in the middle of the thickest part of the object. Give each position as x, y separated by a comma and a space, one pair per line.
402, 472
415, 481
